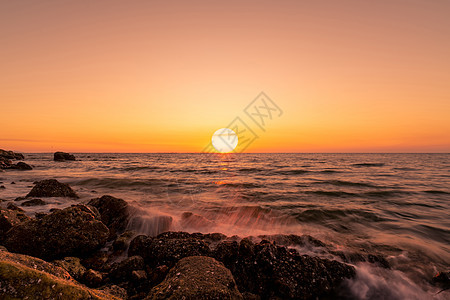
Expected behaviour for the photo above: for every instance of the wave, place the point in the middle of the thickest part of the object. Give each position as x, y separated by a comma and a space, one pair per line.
119, 182
324, 215
346, 183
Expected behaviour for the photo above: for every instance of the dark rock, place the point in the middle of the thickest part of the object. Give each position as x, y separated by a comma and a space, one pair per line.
92, 278
26, 277
10, 218
74, 231
122, 271
2, 187
62, 156
272, 271
73, 266
51, 188
115, 290
97, 261
442, 279
138, 275
39, 215
123, 241
34, 202
197, 277
167, 251
21, 166
12, 182
12, 206
114, 213
20, 198
355, 257
11, 155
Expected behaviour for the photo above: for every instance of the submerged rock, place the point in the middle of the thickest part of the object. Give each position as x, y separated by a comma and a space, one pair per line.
25, 277
62, 156
51, 188
73, 231
34, 202
197, 277
21, 166
114, 213
166, 250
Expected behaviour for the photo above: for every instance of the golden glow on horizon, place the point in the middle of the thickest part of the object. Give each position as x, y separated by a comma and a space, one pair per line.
110, 76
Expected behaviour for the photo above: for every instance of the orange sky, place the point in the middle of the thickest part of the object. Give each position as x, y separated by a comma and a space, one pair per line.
163, 76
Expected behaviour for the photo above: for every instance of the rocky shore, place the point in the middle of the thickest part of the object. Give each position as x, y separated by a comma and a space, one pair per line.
85, 252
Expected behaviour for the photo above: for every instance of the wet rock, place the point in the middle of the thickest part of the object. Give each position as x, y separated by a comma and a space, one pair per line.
138, 276
51, 188
97, 261
21, 166
62, 156
197, 277
151, 225
11, 155
164, 250
123, 241
92, 278
122, 271
115, 290
12, 206
272, 271
73, 231
73, 266
10, 218
39, 215
34, 202
2, 187
156, 275
114, 213
442, 279
25, 277
355, 257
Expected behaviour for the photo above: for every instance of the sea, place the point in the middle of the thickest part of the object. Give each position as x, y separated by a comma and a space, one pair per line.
394, 205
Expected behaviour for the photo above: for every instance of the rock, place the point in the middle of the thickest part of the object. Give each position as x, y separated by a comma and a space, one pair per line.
138, 275
115, 291
114, 213
2, 187
34, 202
12, 206
442, 279
10, 218
25, 277
73, 231
62, 156
73, 266
21, 166
167, 251
92, 278
51, 188
122, 271
11, 155
197, 277
39, 215
272, 271
123, 241
97, 261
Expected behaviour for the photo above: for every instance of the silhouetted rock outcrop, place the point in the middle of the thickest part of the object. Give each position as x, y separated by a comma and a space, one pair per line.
114, 213
74, 231
51, 188
197, 277
62, 156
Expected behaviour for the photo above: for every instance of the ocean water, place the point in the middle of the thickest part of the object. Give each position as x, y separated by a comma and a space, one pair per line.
395, 205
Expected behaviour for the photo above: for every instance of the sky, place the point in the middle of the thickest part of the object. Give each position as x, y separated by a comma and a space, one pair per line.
163, 76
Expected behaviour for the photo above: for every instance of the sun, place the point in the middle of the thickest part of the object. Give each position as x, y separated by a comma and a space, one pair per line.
224, 140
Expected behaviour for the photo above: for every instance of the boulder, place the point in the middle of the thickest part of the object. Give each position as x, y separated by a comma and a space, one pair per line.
123, 241
62, 156
33, 202
272, 271
12, 206
123, 270
197, 277
10, 218
21, 166
73, 231
10, 155
92, 278
51, 188
73, 266
25, 277
114, 213
165, 250
442, 279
